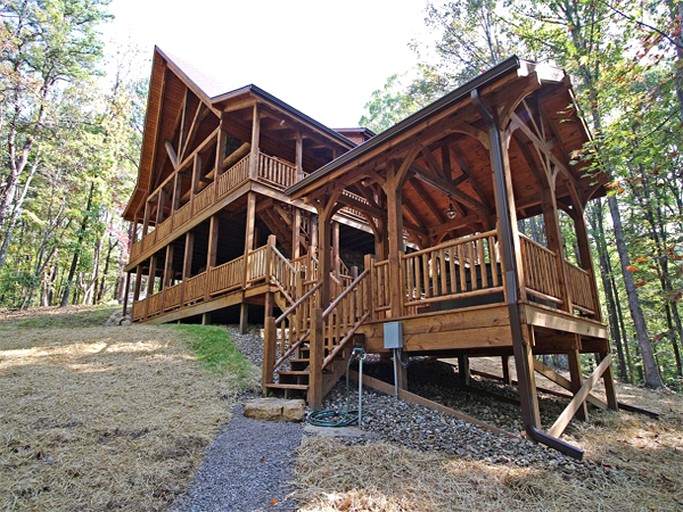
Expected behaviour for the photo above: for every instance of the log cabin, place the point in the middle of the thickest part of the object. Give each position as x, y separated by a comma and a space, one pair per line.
413, 238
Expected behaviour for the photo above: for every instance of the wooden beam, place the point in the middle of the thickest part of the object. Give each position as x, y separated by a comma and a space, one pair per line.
579, 398
171, 153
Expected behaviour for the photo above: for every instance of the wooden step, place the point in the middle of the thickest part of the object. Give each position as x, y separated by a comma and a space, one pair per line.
294, 372
300, 387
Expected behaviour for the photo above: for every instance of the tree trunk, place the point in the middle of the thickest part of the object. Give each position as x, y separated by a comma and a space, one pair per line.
652, 377
77, 251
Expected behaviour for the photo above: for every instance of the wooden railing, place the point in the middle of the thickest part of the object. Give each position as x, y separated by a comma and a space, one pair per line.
257, 267
580, 284
344, 316
139, 310
284, 274
135, 250
194, 288
380, 289
155, 304
164, 229
204, 199
181, 215
149, 240
227, 276
291, 329
233, 177
540, 270
172, 297
453, 270
276, 172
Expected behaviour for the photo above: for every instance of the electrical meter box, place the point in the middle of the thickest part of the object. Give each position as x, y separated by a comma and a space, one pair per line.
393, 335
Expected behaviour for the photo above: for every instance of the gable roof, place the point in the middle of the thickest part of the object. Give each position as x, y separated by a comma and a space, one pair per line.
211, 92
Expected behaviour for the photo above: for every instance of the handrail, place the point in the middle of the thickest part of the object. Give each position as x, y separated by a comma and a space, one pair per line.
450, 243
343, 294
291, 308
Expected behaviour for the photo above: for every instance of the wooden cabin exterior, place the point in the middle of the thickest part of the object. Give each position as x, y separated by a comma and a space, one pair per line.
244, 200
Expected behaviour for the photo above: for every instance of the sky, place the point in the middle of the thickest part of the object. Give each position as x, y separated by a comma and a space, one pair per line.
324, 58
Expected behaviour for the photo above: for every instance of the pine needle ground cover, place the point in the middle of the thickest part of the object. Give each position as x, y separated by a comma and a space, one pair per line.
101, 418
632, 463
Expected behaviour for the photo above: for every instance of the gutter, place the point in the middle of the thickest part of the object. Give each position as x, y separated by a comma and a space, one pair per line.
528, 401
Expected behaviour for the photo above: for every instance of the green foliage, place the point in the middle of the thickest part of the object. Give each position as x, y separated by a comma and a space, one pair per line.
217, 352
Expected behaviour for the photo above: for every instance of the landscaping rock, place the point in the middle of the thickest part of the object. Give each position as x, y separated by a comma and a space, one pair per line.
275, 409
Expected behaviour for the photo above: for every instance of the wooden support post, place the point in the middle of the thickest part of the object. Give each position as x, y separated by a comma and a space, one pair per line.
168, 266
249, 237
196, 169
608, 381
206, 318
189, 253
255, 143
299, 155
554, 236
187, 263
296, 234
576, 377
522, 335
505, 360
151, 276
464, 370
315, 378
125, 293
244, 317
138, 283
393, 190
314, 235
585, 257
336, 262
269, 352
145, 223
212, 249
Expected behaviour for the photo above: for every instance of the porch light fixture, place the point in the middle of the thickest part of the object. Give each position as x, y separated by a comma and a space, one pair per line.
450, 213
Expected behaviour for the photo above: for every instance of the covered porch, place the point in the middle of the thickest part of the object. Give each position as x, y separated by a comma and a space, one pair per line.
476, 204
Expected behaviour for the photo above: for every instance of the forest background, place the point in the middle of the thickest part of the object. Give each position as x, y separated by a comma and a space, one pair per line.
70, 146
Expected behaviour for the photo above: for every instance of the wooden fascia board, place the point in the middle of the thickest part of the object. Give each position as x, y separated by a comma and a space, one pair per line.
149, 139
188, 82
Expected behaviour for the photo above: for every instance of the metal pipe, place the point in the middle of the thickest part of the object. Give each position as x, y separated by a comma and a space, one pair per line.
396, 363
360, 390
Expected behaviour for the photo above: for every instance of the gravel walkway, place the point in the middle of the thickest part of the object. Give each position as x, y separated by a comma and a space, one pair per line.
245, 468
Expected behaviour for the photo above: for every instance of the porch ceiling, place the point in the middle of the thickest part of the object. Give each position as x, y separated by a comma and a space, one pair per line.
449, 144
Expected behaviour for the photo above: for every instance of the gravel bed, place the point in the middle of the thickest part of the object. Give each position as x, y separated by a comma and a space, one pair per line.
248, 467
418, 427
250, 463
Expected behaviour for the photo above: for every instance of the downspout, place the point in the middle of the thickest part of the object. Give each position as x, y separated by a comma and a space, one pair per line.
512, 284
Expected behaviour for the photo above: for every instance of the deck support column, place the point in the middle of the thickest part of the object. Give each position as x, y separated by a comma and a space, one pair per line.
125, 293
554, 235
315, 378
138, 283
576, 376
248, 247
505, 361
585, 254
296, 234
168, 266
255, 142
393, 191
509, 241
151, 276
187, 262
464, 370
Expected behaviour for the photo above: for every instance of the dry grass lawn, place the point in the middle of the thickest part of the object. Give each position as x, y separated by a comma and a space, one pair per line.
634, 463
101, 418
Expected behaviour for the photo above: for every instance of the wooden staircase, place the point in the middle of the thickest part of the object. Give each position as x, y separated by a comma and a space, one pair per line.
306, 347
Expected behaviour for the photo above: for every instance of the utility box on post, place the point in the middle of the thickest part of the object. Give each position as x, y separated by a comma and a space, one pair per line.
393, 335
